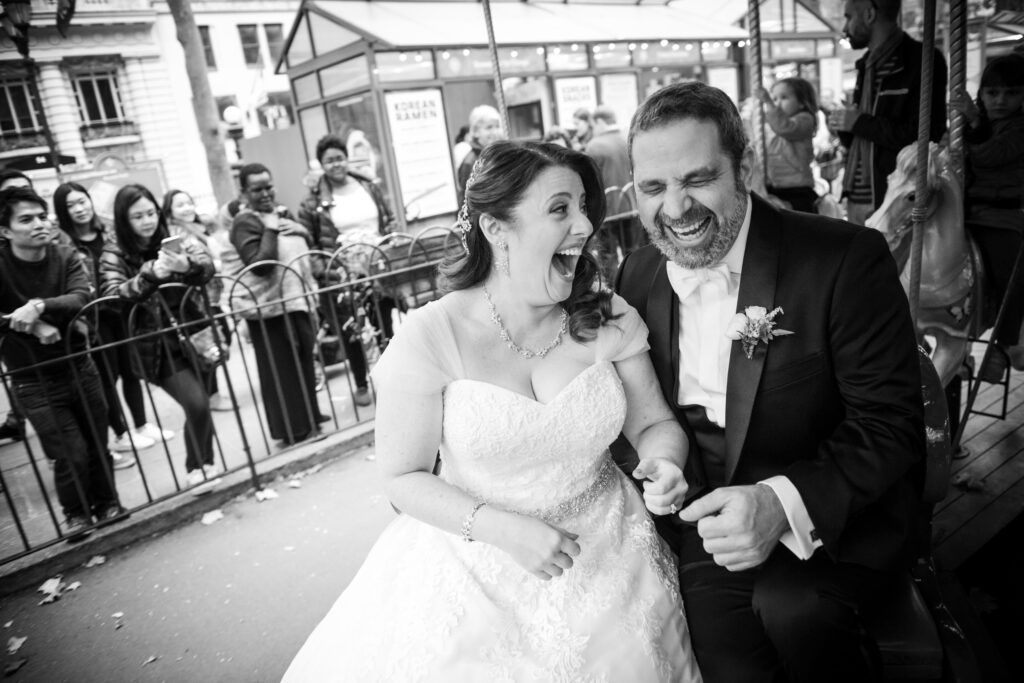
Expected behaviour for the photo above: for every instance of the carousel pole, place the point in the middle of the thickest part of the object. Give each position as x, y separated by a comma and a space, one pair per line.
924, 124
756, 75
496, 66
957, 82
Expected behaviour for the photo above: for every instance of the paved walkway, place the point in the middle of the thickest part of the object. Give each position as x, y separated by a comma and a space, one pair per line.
231, 601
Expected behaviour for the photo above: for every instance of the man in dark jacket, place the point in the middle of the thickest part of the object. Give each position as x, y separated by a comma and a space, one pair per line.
608, 150
42, 287
886, 101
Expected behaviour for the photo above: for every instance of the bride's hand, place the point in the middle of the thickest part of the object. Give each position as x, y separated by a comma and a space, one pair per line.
541, 549
664, 485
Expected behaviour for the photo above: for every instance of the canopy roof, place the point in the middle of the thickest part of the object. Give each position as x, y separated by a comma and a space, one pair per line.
397, 24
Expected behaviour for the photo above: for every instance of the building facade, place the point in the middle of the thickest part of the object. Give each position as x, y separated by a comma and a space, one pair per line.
114, 94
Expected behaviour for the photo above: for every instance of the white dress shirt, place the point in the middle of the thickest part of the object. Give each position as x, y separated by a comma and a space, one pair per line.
707, 303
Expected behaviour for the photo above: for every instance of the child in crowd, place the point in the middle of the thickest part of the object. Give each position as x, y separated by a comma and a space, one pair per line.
995, 183
791, 111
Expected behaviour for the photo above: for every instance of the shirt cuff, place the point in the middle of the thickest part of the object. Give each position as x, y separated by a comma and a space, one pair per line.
801, 539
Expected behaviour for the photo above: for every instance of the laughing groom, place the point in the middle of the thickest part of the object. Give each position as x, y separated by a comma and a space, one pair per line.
806, 445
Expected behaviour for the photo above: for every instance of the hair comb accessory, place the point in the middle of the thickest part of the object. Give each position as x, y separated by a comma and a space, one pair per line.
462, 224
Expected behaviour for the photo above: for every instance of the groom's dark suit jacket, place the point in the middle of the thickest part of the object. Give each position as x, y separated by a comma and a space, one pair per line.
836, 406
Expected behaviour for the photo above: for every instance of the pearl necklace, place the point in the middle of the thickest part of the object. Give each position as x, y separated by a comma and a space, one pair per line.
507, 338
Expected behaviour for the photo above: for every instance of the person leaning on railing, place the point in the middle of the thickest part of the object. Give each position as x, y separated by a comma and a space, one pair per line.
346, 208
42, 287
133, 268
270, 296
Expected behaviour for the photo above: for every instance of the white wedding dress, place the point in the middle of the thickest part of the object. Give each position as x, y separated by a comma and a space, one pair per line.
427, 606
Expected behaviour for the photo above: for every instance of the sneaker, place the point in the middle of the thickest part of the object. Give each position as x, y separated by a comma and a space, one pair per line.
154, 433
211, 471
199, 484
122, 462
77, 527
12, 429
362, 396
123, 443
221, 402
112, 512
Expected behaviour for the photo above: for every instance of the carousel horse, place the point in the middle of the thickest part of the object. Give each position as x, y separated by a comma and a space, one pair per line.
951, 278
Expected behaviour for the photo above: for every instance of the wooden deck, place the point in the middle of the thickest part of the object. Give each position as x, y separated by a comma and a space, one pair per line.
987, 485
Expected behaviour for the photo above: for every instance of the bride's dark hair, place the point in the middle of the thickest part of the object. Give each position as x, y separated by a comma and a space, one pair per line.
502, 174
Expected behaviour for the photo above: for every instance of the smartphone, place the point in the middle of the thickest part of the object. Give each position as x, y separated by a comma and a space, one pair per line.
172, 244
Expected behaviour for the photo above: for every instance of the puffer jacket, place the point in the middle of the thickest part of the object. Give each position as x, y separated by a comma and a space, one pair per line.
134, 280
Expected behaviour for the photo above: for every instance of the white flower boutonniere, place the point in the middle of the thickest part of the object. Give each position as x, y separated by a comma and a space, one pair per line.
755, 325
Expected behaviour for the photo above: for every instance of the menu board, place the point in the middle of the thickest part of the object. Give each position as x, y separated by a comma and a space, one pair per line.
420, 141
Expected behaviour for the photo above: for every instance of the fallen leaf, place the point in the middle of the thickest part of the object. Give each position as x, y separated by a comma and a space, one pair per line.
212, 516
289, 548
9, 624
118, 625
13, 667
14, 644
371, 457
266, 494
73, 586
117, 615
95, 561
51, 589
152, 658
295, 484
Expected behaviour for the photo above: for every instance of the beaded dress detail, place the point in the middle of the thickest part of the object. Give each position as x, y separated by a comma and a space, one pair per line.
425, 606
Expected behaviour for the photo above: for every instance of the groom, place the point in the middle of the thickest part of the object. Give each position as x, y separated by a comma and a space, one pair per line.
805, 448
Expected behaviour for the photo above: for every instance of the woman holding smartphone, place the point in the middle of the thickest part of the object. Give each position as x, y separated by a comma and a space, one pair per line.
143, 258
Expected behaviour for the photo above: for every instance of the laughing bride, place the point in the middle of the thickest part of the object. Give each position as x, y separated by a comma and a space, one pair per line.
530, 556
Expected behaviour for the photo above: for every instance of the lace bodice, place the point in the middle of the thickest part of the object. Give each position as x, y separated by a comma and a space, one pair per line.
508, 449
504, 447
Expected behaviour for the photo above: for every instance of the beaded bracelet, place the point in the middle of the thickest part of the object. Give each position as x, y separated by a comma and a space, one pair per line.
467, 522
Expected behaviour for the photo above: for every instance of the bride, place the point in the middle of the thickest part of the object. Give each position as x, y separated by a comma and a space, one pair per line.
530, 557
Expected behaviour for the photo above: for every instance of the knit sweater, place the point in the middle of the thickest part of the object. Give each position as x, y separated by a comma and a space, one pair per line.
62, 282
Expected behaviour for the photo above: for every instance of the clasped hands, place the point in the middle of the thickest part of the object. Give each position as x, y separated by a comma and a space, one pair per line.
25, 319
740, 525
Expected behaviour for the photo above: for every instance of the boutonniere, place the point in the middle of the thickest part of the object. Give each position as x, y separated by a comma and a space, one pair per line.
755, 325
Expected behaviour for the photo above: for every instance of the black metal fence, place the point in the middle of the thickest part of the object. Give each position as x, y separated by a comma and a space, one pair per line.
327, 335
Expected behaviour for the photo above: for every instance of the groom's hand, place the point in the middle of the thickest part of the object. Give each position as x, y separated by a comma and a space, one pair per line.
740, 525
664, 485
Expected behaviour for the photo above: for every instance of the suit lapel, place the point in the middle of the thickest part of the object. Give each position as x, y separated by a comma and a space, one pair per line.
662, 318
757, 288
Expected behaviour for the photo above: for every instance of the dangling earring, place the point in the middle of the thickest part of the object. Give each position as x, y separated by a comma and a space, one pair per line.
501, 257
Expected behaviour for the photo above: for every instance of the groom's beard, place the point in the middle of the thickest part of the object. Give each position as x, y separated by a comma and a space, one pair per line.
723, 233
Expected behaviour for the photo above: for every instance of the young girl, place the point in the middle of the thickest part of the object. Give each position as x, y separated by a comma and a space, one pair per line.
995, 182
791, 111
182, 219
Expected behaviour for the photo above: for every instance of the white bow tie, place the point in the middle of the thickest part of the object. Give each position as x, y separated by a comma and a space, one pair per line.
685, 281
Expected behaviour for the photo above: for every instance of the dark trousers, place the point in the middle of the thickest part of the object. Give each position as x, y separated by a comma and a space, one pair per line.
800, 198
115, 363
999, 247
787, 620
69, 414
345, 322
188, 390
284, 360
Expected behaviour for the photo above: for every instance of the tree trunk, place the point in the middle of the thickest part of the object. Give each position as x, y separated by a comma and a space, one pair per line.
203, 104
